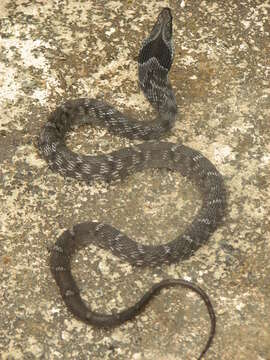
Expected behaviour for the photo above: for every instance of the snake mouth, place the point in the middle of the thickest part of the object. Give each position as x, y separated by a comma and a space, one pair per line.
159, 44
163, 26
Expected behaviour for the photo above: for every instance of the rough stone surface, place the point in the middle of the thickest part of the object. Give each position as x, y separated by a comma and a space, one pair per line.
53, 50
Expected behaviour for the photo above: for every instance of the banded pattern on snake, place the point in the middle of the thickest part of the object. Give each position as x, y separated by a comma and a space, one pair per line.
154, 62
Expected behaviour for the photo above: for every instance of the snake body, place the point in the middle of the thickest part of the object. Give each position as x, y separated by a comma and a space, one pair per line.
154, 62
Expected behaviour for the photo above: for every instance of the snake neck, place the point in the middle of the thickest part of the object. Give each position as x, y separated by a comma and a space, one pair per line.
154, 82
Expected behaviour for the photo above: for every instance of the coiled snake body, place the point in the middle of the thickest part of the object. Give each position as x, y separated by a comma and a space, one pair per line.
154, 62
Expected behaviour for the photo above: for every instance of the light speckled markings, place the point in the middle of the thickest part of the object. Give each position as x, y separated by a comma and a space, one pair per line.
71, 166
110, 158
104, 169
60, 268
69, 293
79, 159
167, 249
215, 201
141, 249
59, 160
166, 155
176, 147
213, 173
62, 171
198, 157
47, 150
204, 221
154, 64
72, 231
188, 238
86, 168
57, 248
53, 146
99, 226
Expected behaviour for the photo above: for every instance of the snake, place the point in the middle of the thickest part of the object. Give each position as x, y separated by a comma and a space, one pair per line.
154, 62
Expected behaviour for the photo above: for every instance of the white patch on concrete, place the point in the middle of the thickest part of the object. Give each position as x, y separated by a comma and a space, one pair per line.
8, 88
222, 153
12, 80
265, 160
188, 60
110, 31
182, 4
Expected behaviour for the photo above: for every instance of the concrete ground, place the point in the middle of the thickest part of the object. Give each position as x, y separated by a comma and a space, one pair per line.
54, 50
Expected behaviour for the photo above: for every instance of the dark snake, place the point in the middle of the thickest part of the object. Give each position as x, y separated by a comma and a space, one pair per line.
154, 62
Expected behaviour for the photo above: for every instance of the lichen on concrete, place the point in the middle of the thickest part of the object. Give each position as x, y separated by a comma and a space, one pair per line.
54, 50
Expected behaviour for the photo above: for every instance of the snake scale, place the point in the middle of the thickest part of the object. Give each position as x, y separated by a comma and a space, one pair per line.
154, 62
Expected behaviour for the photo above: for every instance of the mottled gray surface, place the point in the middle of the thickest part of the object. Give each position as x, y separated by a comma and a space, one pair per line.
56, 50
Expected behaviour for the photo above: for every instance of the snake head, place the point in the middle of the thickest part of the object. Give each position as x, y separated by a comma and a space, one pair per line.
159, 44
